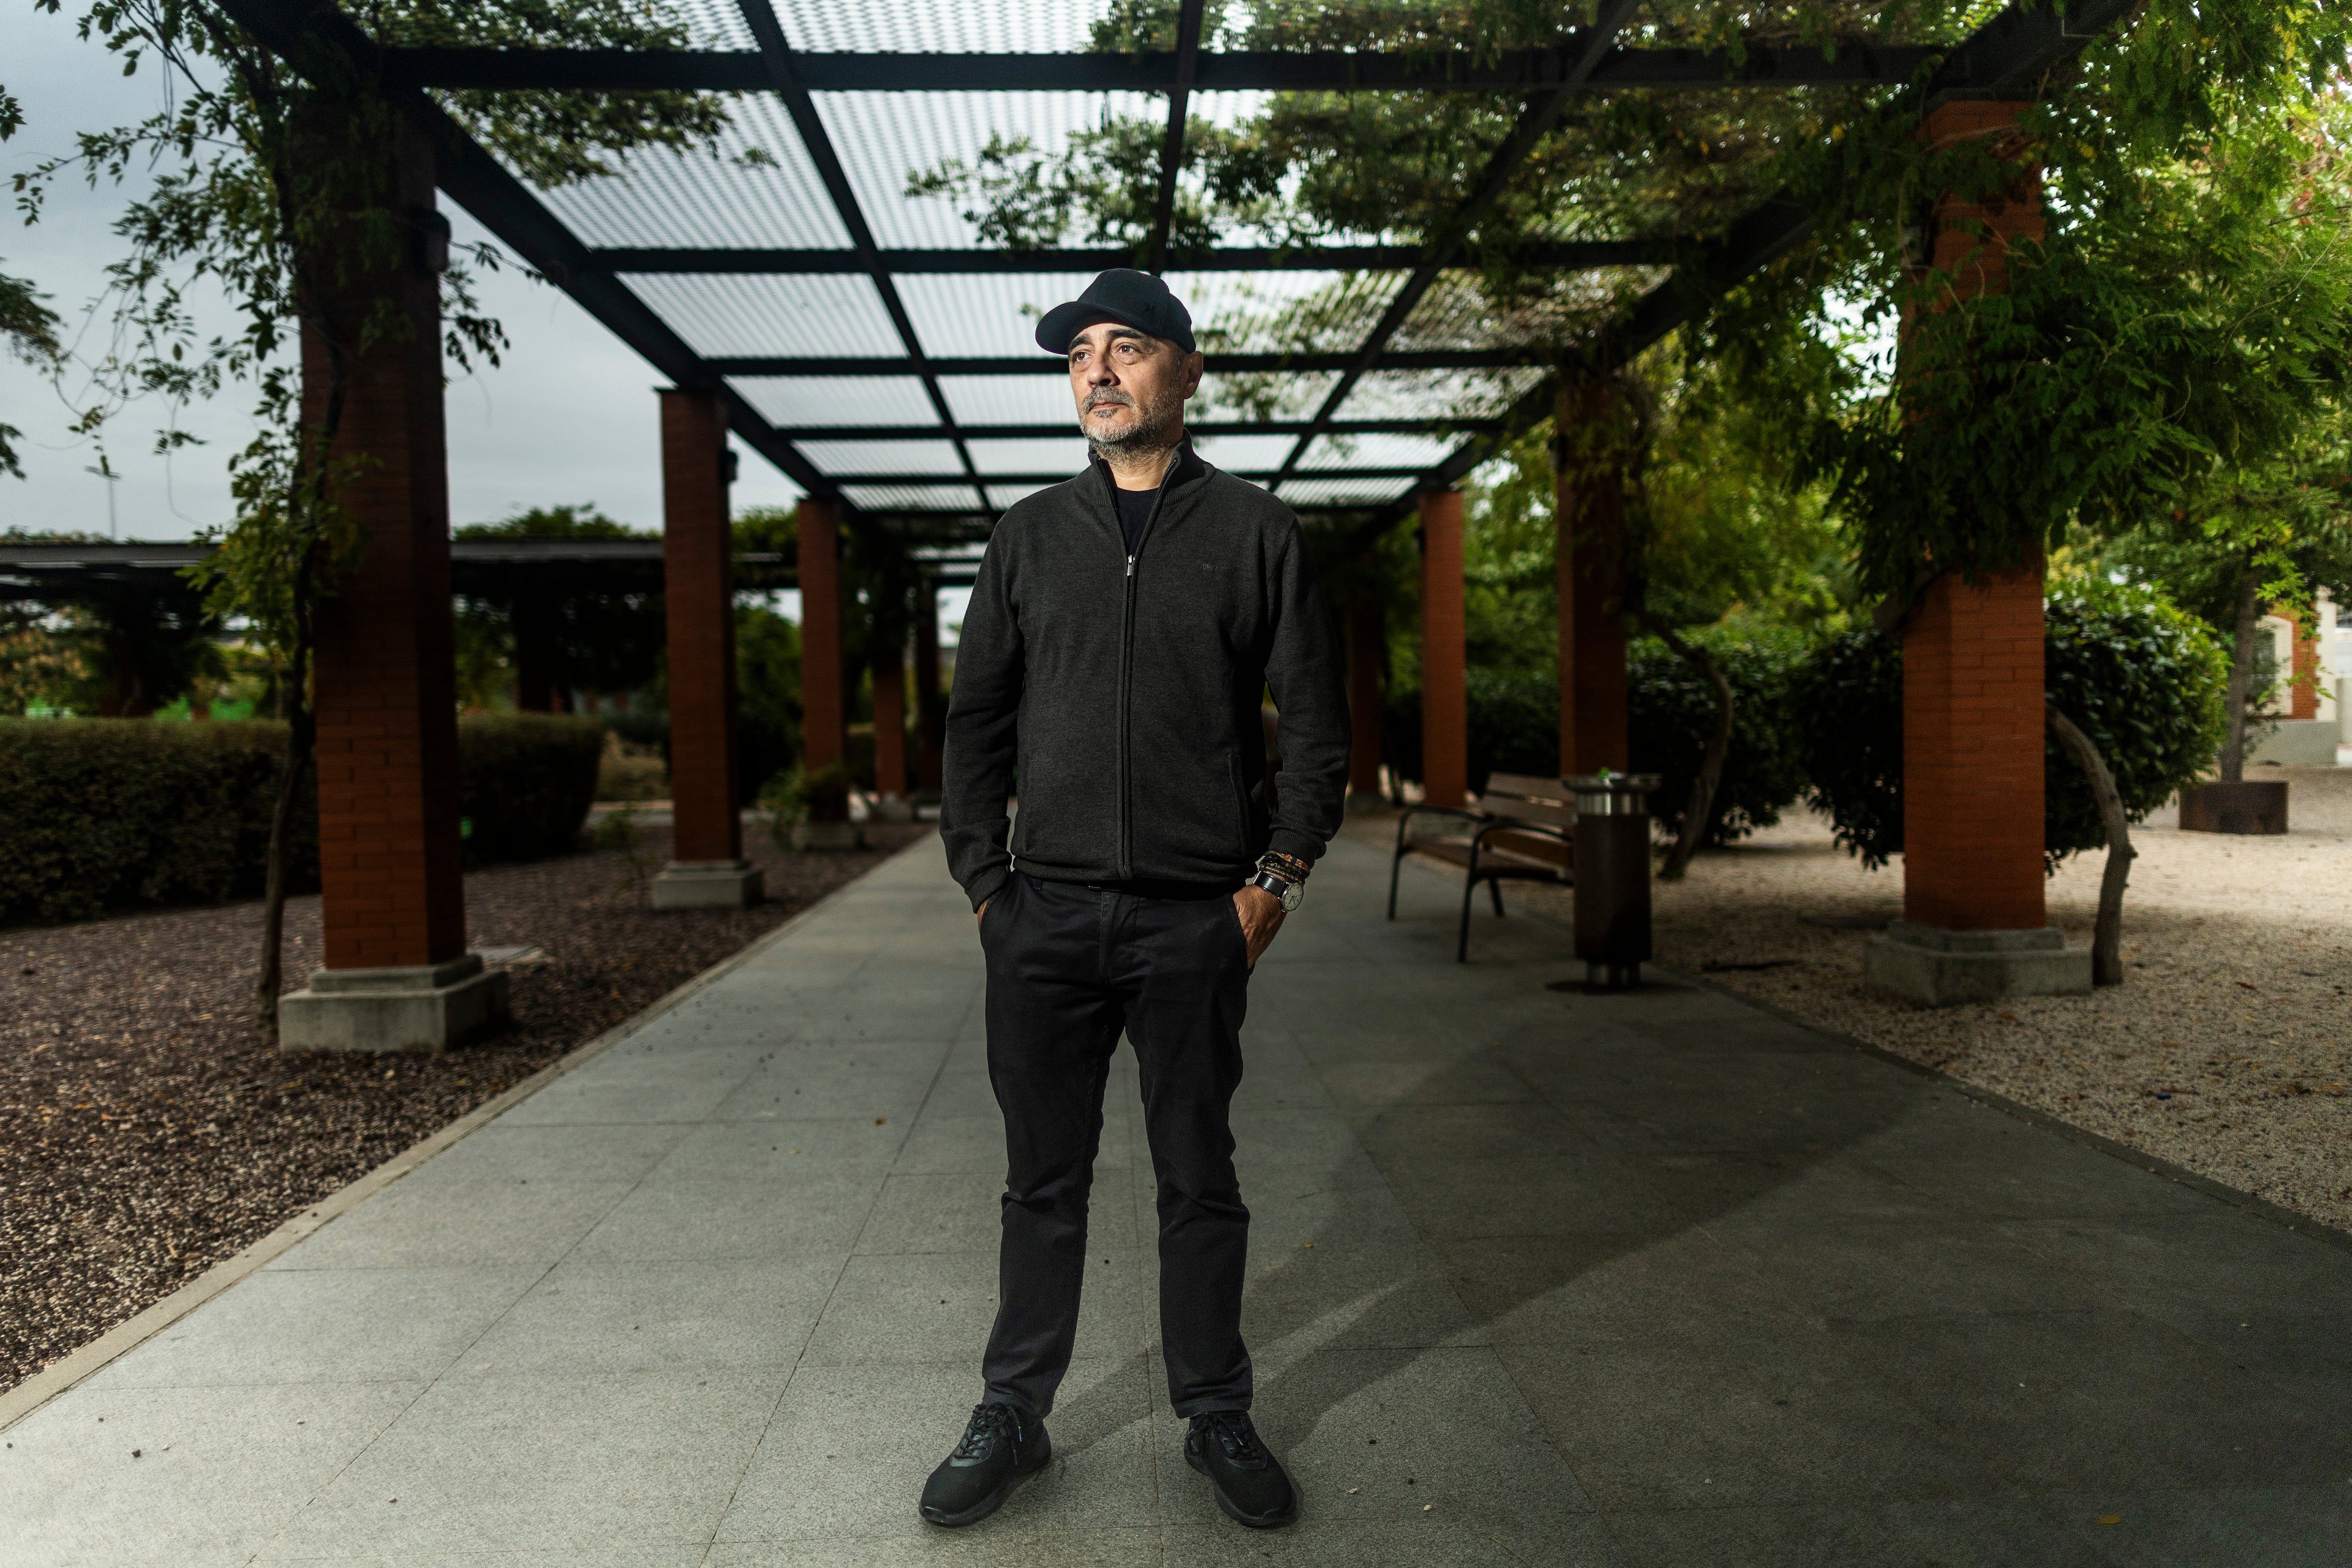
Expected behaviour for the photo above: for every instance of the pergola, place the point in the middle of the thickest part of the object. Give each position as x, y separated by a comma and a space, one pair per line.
870, 345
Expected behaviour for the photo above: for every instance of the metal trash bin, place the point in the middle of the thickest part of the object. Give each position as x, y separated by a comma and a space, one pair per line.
1613, 875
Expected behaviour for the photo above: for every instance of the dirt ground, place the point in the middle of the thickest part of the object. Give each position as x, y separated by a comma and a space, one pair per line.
2228, 1051
144, 1135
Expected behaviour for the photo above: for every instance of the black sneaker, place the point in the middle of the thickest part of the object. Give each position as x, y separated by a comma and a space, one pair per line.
1250, 1483
1000, 1447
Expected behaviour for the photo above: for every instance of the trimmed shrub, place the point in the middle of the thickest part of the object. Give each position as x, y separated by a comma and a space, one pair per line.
2143, 678
1671, 716
106, 814
103, 813
525, 781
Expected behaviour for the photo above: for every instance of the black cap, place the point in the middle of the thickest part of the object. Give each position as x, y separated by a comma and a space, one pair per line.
1132, 298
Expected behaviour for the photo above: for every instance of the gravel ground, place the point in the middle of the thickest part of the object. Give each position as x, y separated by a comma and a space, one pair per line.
2227, 1051
144, 1136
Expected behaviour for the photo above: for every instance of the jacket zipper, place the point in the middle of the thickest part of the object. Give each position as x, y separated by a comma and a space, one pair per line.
1126, 655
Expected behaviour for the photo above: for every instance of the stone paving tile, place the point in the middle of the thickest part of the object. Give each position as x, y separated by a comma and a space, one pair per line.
588, 1315
1629, 1279
217, 1470
1991, 1533
544, 1463
299, 1325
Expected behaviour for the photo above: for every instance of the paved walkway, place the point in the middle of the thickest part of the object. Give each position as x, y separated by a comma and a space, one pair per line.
1536, 1279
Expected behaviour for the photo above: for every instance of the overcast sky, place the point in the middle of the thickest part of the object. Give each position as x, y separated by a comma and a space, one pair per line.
570, 416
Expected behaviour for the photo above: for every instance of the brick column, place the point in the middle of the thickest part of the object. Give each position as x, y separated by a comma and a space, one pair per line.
707, 868
824, 738
1972, 754
397, 975
930, 713
890, 728
1445, 679
1367, 637
1590, 514
1974, 926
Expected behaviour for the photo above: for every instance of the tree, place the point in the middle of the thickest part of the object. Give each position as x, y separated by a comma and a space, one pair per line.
28, 327
277, 186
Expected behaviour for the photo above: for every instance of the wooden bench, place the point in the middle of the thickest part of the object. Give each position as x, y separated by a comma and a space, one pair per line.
1524, 830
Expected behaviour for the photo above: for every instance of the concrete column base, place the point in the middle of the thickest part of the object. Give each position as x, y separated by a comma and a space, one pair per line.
892, 808
425, 1009
828, 836
706, 884
1942, 968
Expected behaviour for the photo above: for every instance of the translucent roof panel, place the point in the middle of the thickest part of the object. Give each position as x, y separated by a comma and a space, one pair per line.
1245, 453
971, 315
715, 24
1230, 108
940, 26
1260, 394
1033, 455
1457, 313
756, 188
1283, 312
1342, 492
837, 400
1438, 394
826, 314
1012, 399
912, 498
1378, 450
884, 138
1003, 496
927, 457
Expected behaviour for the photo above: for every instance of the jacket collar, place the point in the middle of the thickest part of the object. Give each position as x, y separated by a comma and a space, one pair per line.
1187, 466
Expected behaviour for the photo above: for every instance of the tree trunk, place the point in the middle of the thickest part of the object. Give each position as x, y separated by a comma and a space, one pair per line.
2107, 935
2241, 676
1701, 805
302, 740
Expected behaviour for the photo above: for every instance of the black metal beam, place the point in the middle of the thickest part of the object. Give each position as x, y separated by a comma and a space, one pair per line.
1060, 476
1846, 64
1171, 147
1039, 364
2013, 55
1534, 121
1567, 255
504, 205
760, 17
1072, 432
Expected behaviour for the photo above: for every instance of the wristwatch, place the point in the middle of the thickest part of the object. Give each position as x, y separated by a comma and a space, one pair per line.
1292, 894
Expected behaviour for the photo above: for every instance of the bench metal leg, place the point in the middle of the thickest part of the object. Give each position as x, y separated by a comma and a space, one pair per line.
1495, 887
1396, 861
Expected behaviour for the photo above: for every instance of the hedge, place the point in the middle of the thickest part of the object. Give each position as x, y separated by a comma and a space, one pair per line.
1670, 717
2143, 678
107, 814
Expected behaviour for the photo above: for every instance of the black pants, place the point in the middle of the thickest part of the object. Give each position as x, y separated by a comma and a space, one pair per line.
1068, 968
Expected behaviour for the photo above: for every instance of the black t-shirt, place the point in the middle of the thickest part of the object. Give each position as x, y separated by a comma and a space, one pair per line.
1134, 511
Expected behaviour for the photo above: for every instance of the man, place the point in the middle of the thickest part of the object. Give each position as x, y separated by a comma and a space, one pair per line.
1121, 638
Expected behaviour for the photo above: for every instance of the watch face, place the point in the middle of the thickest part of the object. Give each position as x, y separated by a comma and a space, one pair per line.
1293, 895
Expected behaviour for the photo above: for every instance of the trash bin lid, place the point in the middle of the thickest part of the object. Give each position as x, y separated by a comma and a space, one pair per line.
1611, 793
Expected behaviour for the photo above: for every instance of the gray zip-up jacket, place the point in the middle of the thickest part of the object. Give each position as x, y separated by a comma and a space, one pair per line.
1122, 692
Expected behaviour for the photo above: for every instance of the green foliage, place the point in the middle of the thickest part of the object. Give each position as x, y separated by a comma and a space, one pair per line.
581, 521
104, 814
107, 814
794, 796
525, 781
1845, 717
2142, 679
767, 695
1671, 714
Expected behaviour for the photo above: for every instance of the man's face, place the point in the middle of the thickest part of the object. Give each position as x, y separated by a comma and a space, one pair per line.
1130, 387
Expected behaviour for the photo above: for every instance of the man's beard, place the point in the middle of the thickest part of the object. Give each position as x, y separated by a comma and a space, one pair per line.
1155, 428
